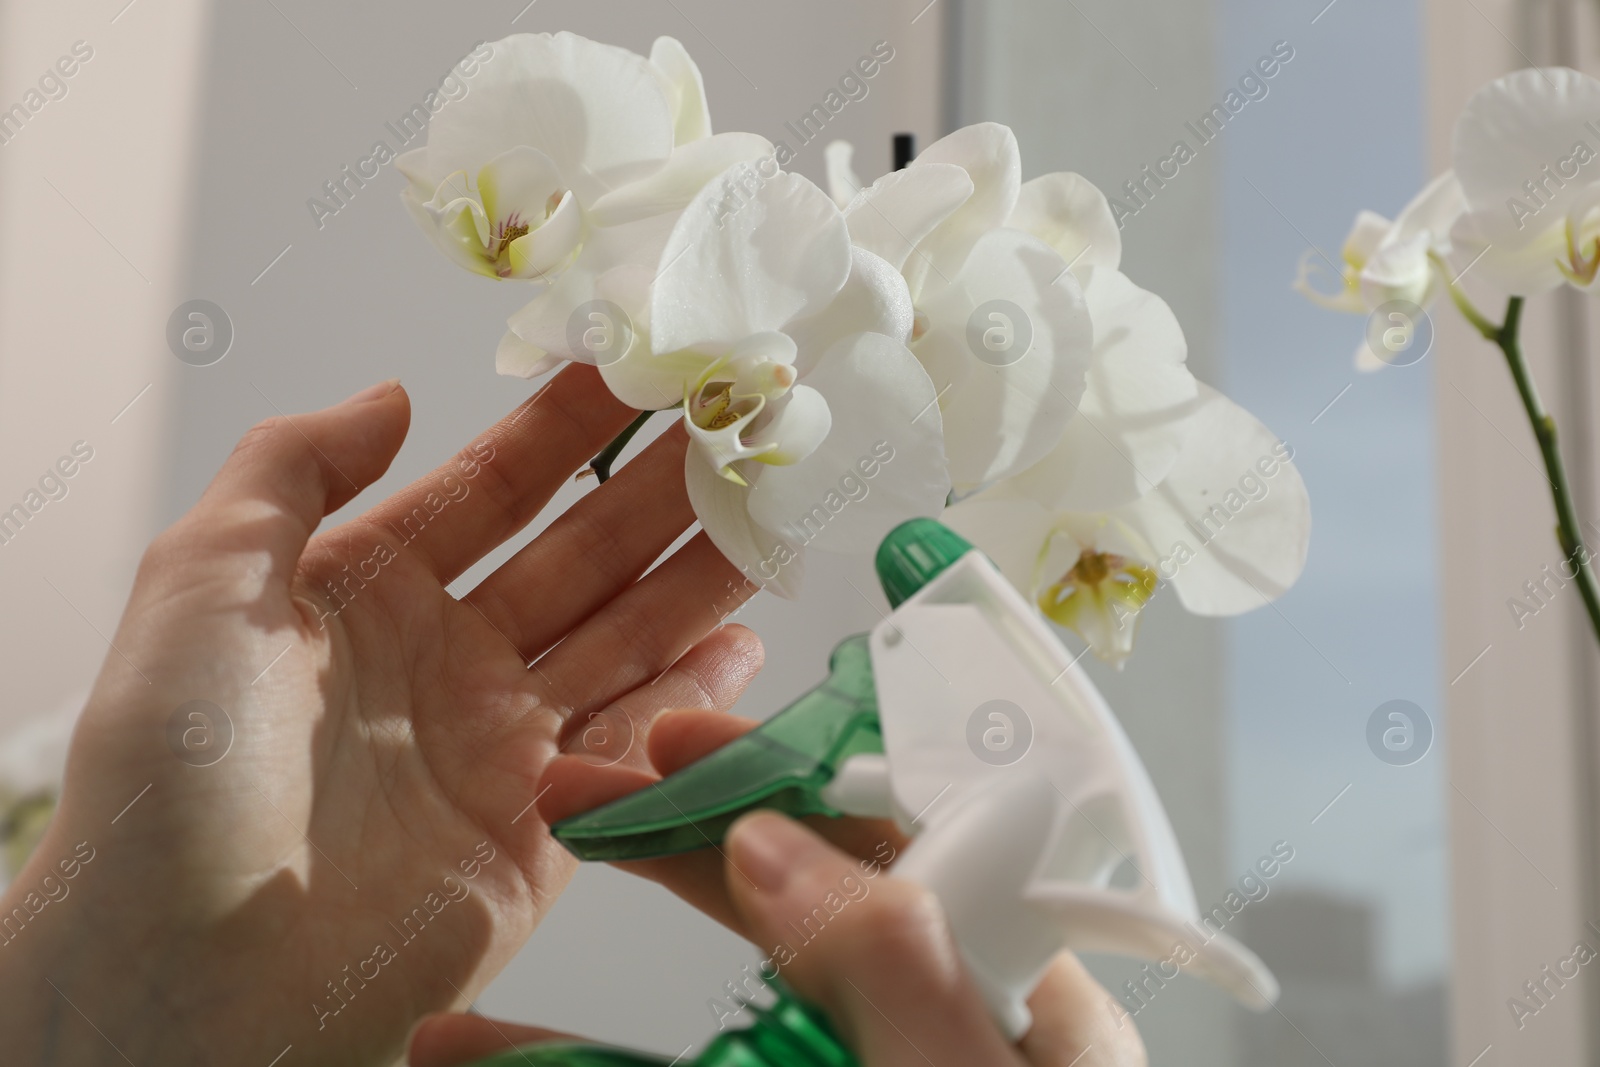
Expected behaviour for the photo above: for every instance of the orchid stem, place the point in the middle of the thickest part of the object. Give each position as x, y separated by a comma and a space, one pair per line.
601, 464
1544, 429
1464, 304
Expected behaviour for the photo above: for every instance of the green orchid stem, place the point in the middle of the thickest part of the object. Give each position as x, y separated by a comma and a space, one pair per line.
1544, 429
1464, 305
601, 464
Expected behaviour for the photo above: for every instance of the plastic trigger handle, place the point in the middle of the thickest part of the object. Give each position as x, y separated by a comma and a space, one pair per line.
783, 764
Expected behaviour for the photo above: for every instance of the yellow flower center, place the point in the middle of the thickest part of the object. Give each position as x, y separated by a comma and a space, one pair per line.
716, 409
1580, 268
510, 230
1099, 598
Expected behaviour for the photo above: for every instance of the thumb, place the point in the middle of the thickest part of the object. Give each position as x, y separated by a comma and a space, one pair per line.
288, 472
872, 951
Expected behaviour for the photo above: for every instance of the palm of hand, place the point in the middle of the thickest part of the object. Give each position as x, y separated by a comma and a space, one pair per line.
366, 846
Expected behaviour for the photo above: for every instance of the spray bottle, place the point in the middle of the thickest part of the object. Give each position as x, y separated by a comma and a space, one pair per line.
962, 718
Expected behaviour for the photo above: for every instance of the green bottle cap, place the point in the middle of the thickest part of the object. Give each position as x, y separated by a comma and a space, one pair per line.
914, 554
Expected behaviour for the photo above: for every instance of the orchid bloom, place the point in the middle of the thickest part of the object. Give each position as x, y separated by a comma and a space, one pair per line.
1139, 396
810, 421
1386, 261
1228, 528
568, 158
1527, 151
999, 319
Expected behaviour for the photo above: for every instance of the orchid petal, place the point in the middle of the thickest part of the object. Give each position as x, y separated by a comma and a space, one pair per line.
874, 300
1367, 360
547, 322
1513, 133
599, 112
1232, 519
1401, 265
1515, 126
1071, 215
1433, 211
723, 509
881, 463
516, 358
1011, 530
798, 423
588, 318
1524, 261
1137, 410
686, 89
684, 174
420, 179
988, 152
458, 227
539, 252
731, 271
767, 347
517, 185
1005, 408
1399, 270
1366, 235
902, 208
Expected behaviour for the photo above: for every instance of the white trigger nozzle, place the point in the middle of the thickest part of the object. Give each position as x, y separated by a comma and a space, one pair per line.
1026, 798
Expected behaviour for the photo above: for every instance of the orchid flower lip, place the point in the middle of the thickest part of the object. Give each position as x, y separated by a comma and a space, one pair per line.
1580, 268
1100, 598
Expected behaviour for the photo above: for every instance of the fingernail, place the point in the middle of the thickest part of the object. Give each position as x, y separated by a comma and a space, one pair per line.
375, 392
767, 848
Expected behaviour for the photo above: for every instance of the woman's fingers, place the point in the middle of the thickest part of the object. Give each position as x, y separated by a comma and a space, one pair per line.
494, 487
1076, 1022
592, 552
873, 952
290, 471
643, 631
573, 785
453, 1039
709, 678
674, 741
685, 736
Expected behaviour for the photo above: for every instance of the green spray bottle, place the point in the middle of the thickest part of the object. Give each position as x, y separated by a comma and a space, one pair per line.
963, 718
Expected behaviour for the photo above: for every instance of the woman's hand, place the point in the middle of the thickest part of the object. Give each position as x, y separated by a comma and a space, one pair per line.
884, 966
305, 780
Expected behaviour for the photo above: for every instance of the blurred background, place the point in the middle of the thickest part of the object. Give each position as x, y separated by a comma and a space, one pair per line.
1423, 892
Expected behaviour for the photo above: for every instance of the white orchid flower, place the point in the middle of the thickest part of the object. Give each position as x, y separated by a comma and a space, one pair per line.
1228, 528
567, 159
1525, 149
1139, 396
1386, 261
811, 423
1000, 321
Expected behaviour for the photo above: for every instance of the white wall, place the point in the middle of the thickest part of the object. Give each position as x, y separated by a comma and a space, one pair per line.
94, 230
